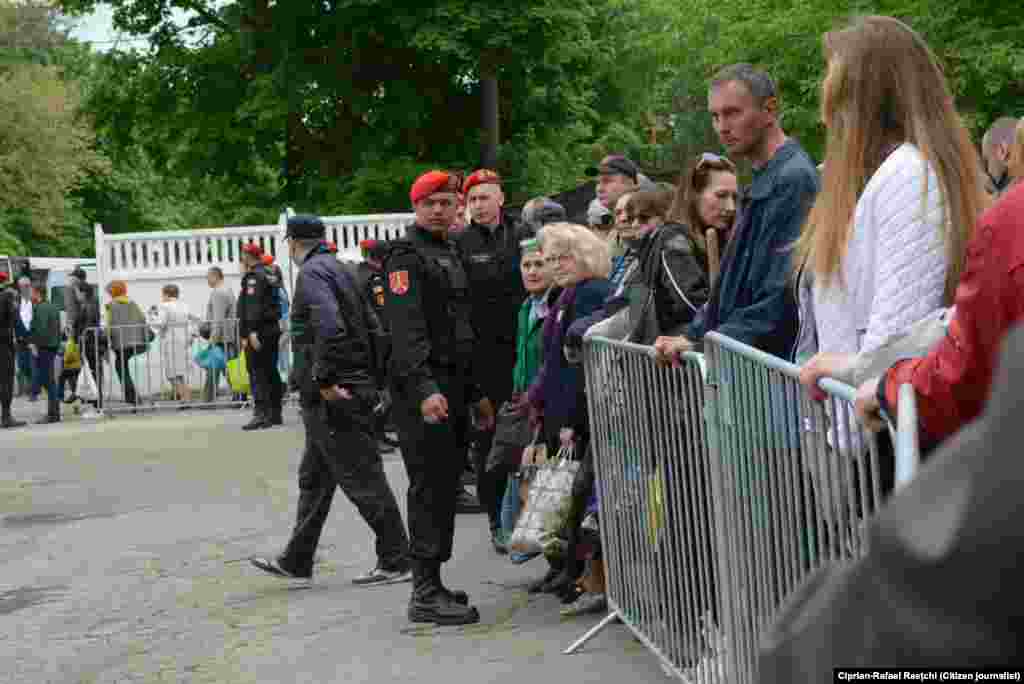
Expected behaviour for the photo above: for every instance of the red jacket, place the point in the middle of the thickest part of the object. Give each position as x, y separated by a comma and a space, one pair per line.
952, 382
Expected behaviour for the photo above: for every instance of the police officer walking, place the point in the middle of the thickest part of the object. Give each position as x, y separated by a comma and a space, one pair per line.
427, 306
8, 317
490, 251
337, 377
259, 328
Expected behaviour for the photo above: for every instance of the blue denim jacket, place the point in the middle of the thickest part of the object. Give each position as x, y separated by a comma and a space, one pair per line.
752, 300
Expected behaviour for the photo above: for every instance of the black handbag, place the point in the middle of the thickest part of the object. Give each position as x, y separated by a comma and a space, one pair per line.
512, 434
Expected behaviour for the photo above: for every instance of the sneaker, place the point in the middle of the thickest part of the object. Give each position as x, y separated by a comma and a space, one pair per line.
271, 566
586, 604
380, 575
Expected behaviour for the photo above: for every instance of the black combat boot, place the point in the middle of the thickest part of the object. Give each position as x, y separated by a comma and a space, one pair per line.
259, 421
276, 417
457, 595
430, 601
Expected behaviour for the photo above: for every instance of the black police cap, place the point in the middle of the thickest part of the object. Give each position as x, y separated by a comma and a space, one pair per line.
305, 227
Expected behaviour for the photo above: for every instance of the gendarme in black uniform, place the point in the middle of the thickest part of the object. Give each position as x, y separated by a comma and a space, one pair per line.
258, 312
9, 313
428, 309
338, 348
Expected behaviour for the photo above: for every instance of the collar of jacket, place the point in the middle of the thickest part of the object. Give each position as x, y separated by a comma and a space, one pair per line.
418, 232
764, 178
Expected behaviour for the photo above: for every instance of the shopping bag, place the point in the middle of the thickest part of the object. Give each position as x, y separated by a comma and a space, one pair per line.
211, 357
72, 356
86, 389
238, 375
655, 505
511, 435
548, 506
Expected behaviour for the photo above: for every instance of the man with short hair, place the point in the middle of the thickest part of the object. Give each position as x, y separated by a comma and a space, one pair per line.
995, 150
489, 247
44, 343
71, 308
220, 312
751, 300
337, 380
8, 317
372, 286
22, 325
259, 328
432, 378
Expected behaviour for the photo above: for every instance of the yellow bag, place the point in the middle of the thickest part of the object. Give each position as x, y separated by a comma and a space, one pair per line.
238, 375
655, 505
72, 357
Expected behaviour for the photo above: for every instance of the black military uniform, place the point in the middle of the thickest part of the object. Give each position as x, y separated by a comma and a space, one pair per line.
258, 312
8, 317
491, 257
428, 308
372, 284
339, 338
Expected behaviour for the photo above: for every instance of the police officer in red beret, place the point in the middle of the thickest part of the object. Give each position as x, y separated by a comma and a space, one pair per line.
433, 384
490, 251
8, 317
259, 327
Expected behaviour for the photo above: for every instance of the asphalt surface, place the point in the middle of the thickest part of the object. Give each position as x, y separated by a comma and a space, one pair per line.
123, 558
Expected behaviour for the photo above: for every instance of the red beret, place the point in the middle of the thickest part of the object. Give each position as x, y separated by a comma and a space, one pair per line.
431, 182
253, 249
268, 259
331, 247
481, 177
367, 244
3, 277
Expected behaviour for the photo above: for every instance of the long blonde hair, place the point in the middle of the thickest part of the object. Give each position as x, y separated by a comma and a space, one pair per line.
885, 87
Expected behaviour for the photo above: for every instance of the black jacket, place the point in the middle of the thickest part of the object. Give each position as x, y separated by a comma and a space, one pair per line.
372, 285
258, 310
339, 329
427, 306
8, 316
491, 259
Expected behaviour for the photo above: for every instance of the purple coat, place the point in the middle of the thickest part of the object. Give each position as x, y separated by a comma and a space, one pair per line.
559, 391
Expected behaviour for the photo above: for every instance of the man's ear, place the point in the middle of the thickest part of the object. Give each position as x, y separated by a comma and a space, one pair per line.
771, 106
1002, 151
501, 197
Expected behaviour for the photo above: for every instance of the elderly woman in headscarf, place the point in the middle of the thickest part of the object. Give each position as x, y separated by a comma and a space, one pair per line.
127, 332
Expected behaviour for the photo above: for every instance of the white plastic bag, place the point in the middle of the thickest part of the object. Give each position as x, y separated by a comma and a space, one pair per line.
547, 507
86, 389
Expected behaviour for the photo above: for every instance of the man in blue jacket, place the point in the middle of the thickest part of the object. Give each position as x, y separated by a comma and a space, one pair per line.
751, 300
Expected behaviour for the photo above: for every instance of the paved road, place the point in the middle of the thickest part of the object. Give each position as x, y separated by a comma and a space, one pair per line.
123, 548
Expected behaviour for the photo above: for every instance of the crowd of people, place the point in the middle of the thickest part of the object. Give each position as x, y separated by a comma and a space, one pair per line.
475, 321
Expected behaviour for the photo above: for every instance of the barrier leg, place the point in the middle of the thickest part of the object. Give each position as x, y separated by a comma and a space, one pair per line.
591, 633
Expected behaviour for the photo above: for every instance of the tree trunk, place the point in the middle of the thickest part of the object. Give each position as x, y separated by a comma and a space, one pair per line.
489, 132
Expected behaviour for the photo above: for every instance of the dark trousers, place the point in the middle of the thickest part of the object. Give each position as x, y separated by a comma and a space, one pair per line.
121, 359
434, 456
490, 484
46, 378
7, 355
68, 377
340, 451
26, 370
267, 388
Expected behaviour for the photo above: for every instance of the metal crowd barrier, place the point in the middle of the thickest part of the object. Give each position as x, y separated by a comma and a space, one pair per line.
721, 489
155, 365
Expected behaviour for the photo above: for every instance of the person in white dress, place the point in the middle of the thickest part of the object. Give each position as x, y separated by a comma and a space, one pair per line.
172, 326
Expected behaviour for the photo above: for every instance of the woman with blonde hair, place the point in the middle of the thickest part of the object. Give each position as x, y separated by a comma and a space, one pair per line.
580, 263
884, 245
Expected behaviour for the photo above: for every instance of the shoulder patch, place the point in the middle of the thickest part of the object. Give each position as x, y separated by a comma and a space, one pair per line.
398, 281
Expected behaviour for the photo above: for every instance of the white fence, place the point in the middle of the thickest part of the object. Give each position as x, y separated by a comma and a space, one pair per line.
148, 261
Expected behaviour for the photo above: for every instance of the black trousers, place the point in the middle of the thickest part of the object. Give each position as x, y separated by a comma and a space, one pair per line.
7, 355
434, 456
121, 359
265, 381
340, 451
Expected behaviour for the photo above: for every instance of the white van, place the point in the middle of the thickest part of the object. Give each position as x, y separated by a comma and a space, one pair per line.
54, 271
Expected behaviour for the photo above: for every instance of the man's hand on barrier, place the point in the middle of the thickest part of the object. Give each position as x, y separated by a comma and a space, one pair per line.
566, 436
434, 408
335, 393
254, 341
667, 350
485, 415
867, 406
822, 365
